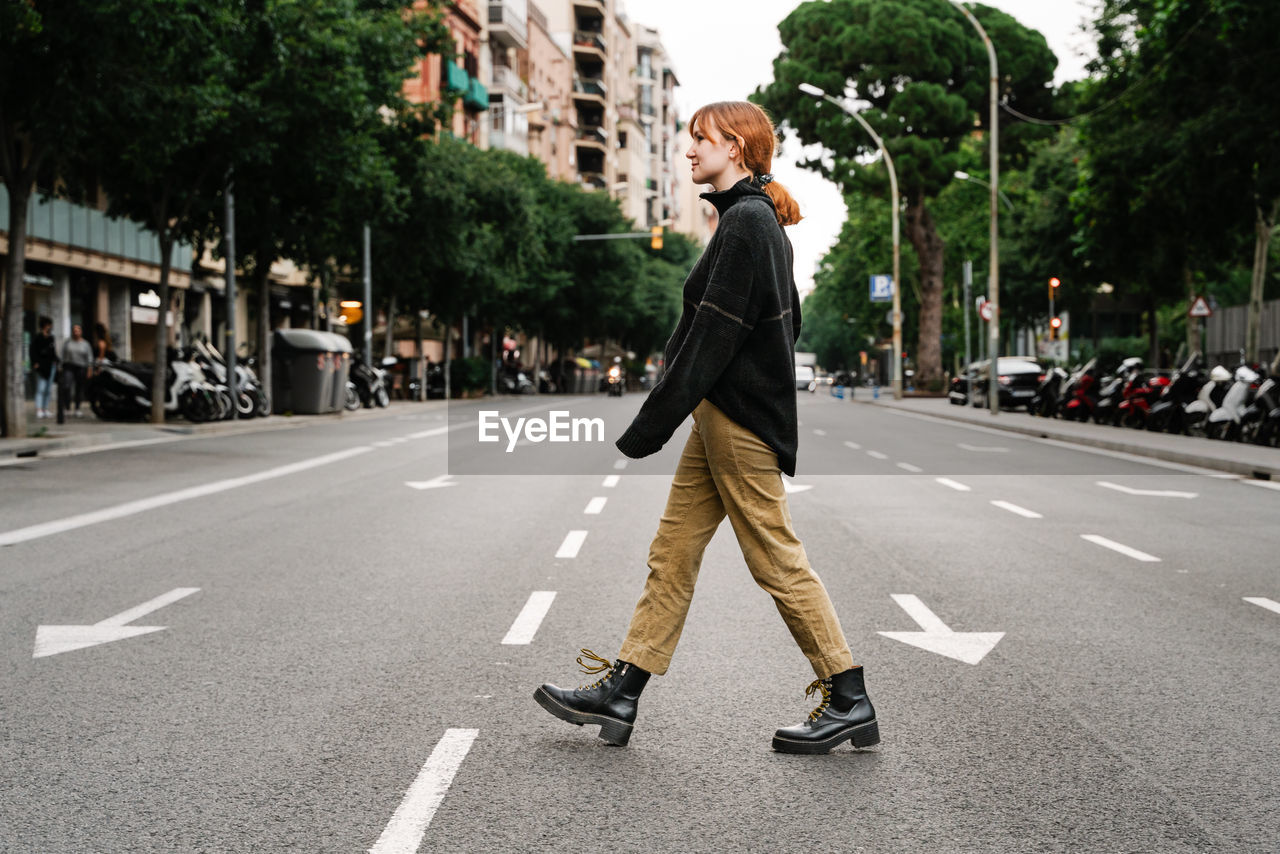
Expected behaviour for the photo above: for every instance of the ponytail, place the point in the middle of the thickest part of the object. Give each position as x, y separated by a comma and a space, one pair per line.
784, 204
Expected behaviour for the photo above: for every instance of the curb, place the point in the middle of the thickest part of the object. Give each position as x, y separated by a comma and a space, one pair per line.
1042, 428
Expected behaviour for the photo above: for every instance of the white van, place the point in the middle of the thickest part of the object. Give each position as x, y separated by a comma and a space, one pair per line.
804, 376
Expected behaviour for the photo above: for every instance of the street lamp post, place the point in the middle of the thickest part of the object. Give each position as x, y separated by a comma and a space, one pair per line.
965, 176
809, 89
993, 281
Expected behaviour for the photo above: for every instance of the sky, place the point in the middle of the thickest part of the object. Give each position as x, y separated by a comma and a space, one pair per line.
723, 49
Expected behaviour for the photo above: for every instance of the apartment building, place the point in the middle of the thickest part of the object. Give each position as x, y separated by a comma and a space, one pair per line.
460, 74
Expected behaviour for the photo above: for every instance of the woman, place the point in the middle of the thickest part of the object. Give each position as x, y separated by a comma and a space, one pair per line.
730, 363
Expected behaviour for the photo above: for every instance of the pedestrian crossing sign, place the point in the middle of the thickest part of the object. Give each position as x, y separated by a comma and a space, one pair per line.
1200, 308
882, 288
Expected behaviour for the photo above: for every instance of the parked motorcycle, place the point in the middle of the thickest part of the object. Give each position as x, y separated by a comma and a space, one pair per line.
1048, 397
1168, 411
1260, 421
1139, 393
1111, 391
1081, 392
370, 382
121, 391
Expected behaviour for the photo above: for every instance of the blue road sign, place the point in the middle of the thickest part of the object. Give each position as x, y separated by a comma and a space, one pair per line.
882, 288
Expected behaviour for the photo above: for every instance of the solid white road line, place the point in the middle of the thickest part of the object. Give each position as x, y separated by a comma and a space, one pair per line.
131, 508
1120, 547
876, 455
1154, 493
526, 624
1014, 508
953, 484
1265, 484
1263, 602
910, 468
595, 506
611, 481
572, 542
853, 446
403, 834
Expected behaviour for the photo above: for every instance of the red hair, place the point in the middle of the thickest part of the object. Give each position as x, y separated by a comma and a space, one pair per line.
752, 129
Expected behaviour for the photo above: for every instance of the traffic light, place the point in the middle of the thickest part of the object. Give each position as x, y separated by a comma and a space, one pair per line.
655, 237
1055, 323
1055, 282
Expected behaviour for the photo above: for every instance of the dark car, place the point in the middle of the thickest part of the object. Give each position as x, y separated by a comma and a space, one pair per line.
1018, 380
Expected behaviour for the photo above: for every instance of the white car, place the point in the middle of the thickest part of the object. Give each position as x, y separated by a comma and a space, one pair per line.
804, 376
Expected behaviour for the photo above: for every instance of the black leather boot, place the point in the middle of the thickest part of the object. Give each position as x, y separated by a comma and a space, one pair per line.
845, 714
609, 701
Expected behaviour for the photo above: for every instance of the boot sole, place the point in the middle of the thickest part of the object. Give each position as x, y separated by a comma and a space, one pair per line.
862, 735
612, 730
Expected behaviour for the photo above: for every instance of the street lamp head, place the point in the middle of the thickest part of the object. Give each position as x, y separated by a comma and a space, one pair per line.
810, 89
963, 176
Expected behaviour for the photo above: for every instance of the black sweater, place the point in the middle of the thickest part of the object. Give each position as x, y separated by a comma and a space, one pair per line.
735, 343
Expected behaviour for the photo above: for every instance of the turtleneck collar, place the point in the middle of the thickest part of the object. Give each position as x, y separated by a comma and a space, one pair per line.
724, 199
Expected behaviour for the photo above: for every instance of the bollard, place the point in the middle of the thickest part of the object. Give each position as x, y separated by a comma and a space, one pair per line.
875, 392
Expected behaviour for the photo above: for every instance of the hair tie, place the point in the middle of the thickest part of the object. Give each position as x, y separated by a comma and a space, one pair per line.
765, 178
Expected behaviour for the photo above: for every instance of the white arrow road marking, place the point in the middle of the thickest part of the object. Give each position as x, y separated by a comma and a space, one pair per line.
982, 449
610, 482
969, 647
1120, 547
876, 455
853, 446
51, 640
434, 483
526, 624
1262, 602
1154, 493
1014, 508
910, 468
595, 506
790, 487
572, 542
403, 834
953, 484
59, 526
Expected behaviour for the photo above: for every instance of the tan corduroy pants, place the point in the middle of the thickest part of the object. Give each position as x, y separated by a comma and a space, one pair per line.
726, 470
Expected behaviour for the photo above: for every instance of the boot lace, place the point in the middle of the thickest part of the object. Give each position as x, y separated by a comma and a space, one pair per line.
823, 686
598, 665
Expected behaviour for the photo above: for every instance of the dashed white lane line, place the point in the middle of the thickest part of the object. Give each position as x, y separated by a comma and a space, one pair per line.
620, 464
403, 834
1263, 602
611, 481
1014, 508
818, 432
595, 506
572, 542
131, 508
1120, 547
530, 618
953, 484
1153, 493
982, 449
876, 455
910, 468
853, 446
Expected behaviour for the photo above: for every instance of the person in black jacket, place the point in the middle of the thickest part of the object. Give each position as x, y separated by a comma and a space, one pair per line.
731, 364
44, 360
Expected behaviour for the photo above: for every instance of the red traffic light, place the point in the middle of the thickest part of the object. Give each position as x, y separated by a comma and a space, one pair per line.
1056, 323
1055, 282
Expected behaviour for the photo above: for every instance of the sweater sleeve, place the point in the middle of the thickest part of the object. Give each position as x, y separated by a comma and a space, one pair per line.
720, 325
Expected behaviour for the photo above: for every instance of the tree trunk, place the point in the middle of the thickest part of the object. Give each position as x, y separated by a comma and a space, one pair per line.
160, 379
15, 411
922, 231
1263, 226
1193, 323
262, 287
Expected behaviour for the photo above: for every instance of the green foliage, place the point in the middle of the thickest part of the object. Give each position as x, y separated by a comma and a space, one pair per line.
469, 374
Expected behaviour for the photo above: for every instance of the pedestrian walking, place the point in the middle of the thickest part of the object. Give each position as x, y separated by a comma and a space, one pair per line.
730, 363
44, 363
77, 361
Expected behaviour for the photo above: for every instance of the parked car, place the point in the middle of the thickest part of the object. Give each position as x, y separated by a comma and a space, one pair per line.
1018, 380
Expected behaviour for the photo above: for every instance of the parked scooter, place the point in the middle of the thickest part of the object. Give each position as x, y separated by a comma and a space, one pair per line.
1256, 422
1225, 421
1048, 396
1111, 391
1139, 393
121, 391
1081, 392
370, 382
1168, 411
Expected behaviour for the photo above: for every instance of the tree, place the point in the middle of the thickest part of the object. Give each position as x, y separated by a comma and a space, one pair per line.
49, 80
160, 147
923, 72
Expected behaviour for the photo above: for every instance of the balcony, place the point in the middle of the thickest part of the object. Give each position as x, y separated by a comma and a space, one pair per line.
508, 82
593, 180
508, 24
587, 43
590, 8
456, 79
477, 96
590, 89
594, 138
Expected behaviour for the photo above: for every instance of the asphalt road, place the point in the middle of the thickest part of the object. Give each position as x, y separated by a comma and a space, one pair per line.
332, 674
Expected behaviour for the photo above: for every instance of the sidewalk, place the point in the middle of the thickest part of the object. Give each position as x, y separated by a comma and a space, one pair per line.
1247, 460
46, 434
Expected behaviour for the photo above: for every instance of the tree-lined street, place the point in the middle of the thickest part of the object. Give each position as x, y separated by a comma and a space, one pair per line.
330, 629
